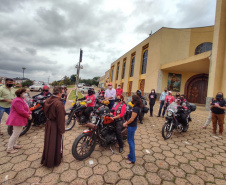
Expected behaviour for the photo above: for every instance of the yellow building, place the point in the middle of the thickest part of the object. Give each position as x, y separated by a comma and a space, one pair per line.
191, 61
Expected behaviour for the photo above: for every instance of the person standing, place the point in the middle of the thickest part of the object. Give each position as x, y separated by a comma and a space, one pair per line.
120, 109
168, 100
64, 95
119, 91
54, 129
7, 94
18, 119
177, 95
132, 126
162, 101
110, 95
218, 108
152, 98
143, 100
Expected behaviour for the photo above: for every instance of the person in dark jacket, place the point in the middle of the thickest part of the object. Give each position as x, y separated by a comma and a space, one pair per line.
218, 108
54, 129
152, 98
141, 114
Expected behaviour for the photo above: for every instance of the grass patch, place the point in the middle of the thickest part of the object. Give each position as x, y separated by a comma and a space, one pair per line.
71, 86
72, 95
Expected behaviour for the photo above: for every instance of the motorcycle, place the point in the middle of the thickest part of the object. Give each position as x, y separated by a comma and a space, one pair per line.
38, 117
76, 112
174, 119
101, 130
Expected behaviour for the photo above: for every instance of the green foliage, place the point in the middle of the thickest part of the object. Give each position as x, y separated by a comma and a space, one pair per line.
93, 81
73, 79
55, 83
66, 81
27, 83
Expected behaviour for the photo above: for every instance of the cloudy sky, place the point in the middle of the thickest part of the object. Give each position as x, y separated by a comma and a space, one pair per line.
45, 36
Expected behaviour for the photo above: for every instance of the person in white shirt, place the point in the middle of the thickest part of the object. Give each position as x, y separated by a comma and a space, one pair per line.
110, 95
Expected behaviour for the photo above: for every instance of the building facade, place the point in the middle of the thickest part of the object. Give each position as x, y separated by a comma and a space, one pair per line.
174, 58
191, 61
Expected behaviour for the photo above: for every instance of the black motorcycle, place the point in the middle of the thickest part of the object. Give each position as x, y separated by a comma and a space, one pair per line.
101, 130
177, 118
38, 117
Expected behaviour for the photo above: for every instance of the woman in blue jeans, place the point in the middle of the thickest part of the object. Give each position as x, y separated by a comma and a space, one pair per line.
132, 126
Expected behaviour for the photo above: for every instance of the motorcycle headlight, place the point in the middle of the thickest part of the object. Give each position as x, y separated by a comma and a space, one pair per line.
169, 113
93, 119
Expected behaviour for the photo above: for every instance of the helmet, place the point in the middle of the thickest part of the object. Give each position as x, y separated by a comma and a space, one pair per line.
105, 102
45, 87
91, 91
139, 92
130, 104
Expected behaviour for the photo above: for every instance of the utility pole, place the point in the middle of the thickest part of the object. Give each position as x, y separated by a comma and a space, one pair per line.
78, 66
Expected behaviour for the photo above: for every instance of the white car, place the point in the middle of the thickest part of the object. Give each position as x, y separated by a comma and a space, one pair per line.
84, 89
80, 85
37, 87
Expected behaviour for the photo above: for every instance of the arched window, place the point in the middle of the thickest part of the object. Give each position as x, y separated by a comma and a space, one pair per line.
206, 46
144, 62
132, 67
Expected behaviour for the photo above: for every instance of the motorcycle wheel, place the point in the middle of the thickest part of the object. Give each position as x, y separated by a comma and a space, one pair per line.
185, 128
69, 122
166, 131
25, 128
83, 146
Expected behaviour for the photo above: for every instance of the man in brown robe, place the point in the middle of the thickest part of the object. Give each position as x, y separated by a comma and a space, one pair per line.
54, 129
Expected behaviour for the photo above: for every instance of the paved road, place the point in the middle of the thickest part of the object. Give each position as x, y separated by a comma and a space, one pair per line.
195, 157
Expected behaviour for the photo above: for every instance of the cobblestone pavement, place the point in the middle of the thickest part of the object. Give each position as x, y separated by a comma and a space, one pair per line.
195, 157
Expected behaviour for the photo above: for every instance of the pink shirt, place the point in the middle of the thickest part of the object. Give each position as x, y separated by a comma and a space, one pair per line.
123, 109
92, 98
19, 113
169, 99
119, 92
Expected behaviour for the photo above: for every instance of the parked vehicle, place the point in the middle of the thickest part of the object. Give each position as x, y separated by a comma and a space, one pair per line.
38, 117
101, 130
84, 89
80, 85
175, 114
37, 87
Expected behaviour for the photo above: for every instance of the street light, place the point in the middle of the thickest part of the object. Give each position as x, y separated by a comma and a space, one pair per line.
23, 73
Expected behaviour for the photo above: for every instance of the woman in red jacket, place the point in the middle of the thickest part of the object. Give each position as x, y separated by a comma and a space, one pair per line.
18, 118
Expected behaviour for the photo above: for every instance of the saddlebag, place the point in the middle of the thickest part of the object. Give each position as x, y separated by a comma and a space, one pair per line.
192, 107
145, 110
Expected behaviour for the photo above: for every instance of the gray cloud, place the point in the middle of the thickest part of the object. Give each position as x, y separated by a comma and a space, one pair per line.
45, 35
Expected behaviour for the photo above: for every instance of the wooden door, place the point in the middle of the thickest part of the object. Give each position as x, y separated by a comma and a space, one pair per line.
142, 84
197, 90
122, 85
130, 88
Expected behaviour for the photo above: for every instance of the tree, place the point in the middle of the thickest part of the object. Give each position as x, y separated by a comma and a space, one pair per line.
27, 83
96, 80
66, 81
73, 79
55, 83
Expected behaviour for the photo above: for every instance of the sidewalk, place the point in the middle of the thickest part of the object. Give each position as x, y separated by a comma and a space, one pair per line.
195, 157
